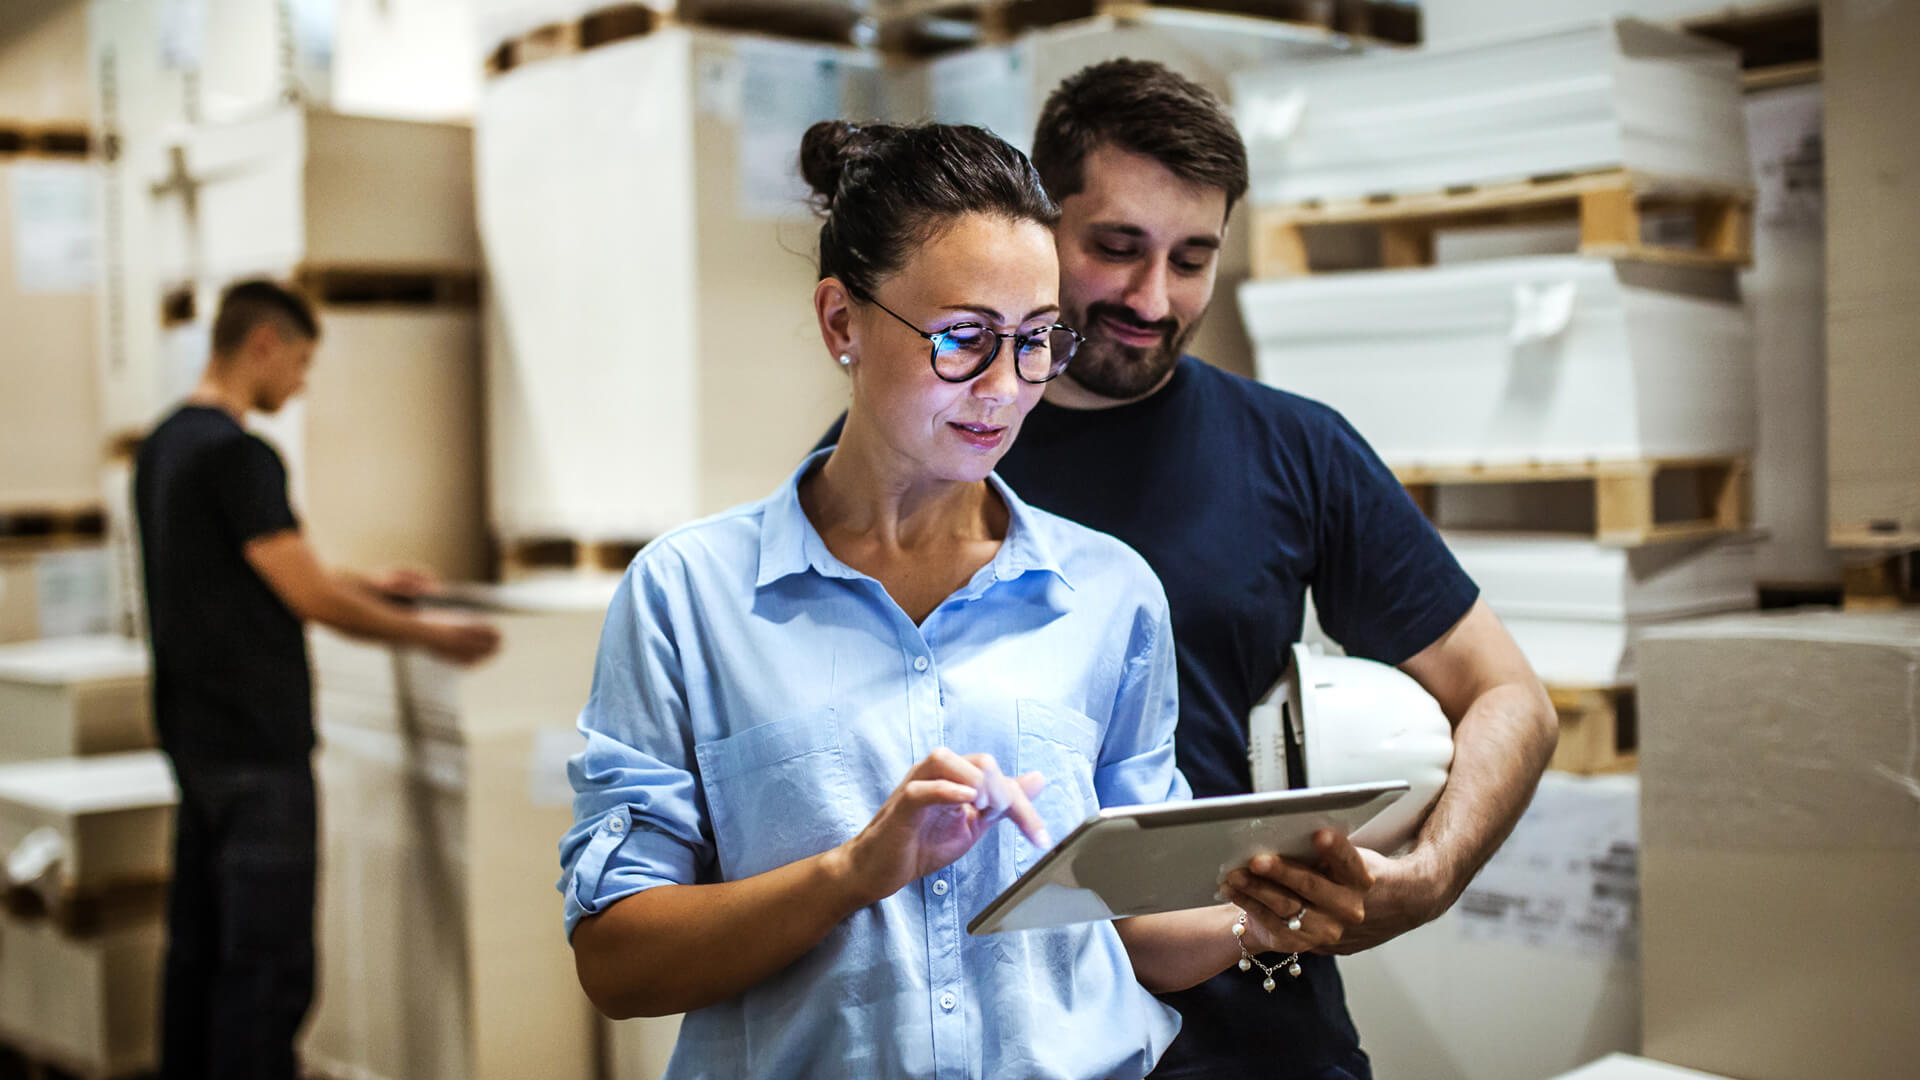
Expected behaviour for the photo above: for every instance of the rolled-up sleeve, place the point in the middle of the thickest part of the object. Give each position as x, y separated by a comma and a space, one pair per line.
638, 811
1136, 756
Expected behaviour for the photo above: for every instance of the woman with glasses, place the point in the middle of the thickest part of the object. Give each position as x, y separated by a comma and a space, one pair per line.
809, 712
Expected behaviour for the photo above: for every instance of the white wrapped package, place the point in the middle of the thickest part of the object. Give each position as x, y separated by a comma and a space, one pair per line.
1530, 359
1597, 95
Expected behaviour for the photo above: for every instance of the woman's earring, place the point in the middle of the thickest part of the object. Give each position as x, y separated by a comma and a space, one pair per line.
846, 360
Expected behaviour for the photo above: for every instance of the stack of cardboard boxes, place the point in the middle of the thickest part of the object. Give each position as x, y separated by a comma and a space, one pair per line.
85, 824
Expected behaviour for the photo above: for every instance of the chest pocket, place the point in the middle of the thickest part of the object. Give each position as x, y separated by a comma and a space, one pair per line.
776, 793
1062, 745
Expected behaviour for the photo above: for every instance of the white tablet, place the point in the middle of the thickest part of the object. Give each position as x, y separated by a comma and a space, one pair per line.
1142, 860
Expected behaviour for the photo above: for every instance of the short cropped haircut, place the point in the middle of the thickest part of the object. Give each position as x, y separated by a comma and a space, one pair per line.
247, 304
1143, 108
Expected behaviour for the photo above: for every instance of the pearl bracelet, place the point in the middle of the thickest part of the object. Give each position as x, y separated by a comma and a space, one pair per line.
1248, 963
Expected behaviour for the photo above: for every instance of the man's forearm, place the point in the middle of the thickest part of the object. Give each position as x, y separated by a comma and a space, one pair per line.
1501, 747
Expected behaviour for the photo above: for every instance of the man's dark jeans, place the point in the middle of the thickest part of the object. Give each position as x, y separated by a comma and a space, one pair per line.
239, 976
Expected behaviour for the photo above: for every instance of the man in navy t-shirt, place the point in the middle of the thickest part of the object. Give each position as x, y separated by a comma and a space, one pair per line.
1243, 497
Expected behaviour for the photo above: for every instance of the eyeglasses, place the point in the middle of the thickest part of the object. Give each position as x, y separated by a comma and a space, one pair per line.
964, 351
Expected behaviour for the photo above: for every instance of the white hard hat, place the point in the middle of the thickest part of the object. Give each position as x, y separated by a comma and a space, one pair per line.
1335, 720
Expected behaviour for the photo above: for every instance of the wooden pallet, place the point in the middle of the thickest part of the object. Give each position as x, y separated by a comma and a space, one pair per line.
831, 21
1599, 730
1625, 493
21, 1059
81, 914
353, 286
1779, 43
44, 141
1612, 208
535, 555
1881, 567
47, 524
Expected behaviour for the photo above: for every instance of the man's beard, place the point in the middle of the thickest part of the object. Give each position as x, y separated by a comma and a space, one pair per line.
1122, 372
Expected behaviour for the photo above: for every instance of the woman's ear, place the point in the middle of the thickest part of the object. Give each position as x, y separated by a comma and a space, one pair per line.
833, 306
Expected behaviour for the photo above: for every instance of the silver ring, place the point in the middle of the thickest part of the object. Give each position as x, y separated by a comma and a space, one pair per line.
1293, 924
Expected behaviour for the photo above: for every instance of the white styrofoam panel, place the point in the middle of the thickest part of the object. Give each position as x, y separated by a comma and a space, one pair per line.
1629, 1067
1577, 608
1563, 358
1449, 22
406, 59
1568, 577
1594, 95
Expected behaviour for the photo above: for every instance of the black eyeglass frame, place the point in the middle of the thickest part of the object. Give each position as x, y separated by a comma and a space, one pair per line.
1019, 339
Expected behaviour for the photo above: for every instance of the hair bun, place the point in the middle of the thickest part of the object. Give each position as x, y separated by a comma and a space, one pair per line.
829, 147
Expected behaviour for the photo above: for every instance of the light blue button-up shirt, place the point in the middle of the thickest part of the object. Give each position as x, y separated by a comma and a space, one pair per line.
754, 703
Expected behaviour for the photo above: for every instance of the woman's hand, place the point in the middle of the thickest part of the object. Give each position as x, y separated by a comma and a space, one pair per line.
941, 809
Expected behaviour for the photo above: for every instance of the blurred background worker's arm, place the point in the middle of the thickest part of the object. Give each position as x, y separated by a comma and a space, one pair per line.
352, 604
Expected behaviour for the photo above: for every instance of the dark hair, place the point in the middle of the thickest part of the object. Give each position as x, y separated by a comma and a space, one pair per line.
884, 189
248, 304
1144, 108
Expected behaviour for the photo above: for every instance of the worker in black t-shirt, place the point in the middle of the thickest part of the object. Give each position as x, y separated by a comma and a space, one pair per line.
1242, 497
230, 583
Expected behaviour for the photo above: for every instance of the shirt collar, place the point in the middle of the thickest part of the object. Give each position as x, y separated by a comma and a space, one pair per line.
789, 544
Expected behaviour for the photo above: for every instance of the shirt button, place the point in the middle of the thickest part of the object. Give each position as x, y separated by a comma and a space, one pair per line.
615, 825
940, 888
948, 1001
919, 663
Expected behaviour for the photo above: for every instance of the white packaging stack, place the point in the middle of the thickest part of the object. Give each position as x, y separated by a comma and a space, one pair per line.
1003, 88
74, 830
1576, 608
65, 697
653, 183
1506, 357
1559, 358
1596, 95
442, 953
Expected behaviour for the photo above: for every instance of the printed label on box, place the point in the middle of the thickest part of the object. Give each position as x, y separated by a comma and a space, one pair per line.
1568, 877
784, 89
56, 237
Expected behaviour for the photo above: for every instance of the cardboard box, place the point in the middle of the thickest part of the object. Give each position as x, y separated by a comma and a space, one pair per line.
1514, 983
49, 424
1873, 270
107, 819
444, 795
1778, 778
1554, 358
290, 189
639, 1049
1786, 293
1576, 608
73, 696
654, 183
159, 65
43, 57
55, 591
89, 1005
1576, 98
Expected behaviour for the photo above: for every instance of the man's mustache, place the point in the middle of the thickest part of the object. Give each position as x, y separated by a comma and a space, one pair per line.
1124, 315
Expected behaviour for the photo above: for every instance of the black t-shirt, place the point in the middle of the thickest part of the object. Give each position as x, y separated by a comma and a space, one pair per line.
230, 677
1241, 497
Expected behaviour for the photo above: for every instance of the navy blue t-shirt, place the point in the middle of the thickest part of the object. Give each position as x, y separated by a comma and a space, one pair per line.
1241, 497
